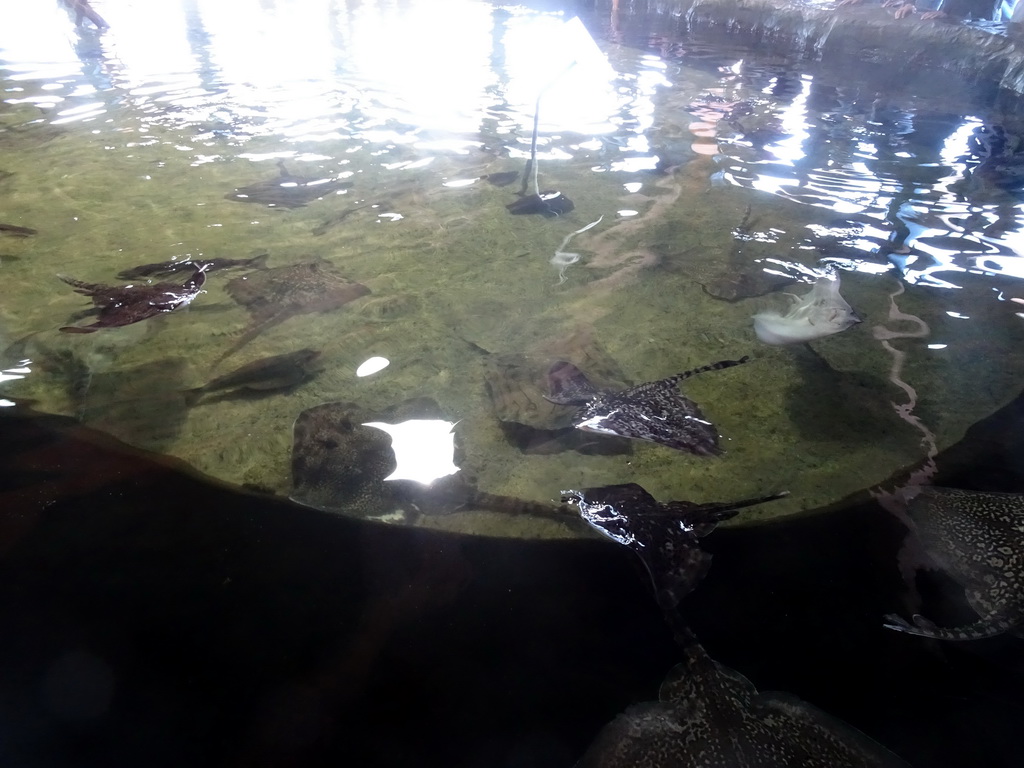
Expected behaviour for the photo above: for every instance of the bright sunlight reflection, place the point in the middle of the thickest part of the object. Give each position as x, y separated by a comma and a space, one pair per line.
557, 60
424, 449
305, 70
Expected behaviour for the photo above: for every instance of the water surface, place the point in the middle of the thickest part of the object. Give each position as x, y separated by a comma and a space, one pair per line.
700, 161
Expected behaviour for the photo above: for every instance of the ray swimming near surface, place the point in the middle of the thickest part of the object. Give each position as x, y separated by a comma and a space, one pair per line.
168, 268
655, 411
664, 535
120, 305
978, 539
710, 716
820, 312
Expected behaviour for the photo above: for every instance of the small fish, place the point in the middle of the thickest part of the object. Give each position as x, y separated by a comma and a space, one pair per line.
16, 231
288, 191
654, 411
120, 305
264, 375
819, 313
662, 534
549, 204
167, 268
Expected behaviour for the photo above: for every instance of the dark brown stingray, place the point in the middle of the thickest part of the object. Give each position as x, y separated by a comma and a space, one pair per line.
340, 465
654, 411
126, 304
663, 534
710, 716
549, 204
273, 295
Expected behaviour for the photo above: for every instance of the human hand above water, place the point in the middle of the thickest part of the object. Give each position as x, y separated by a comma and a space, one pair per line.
903, 8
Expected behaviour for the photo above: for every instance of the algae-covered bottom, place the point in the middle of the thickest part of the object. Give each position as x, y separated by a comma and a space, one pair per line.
700, 173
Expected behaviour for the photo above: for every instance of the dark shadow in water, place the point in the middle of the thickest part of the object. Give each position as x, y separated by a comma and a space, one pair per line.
163, 621
146, 405
156, 619
849, 407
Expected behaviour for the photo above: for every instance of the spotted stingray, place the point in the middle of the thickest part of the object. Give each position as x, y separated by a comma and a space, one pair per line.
341, 464
273, 295
654, 411
710, 716
978, 538
663, 534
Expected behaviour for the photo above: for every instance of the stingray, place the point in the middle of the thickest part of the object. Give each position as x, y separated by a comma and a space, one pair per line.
264, 376
273, 295
549, 204
517, 385
710, 716
978, 538
168, 268
819, 313
663, 534
287, 190
126, 304
654, 411
339, 464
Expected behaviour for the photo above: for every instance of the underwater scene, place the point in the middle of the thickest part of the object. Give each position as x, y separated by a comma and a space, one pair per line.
293, 290
242, 235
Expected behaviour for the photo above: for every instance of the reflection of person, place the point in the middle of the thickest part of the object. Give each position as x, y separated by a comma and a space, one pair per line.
937, 9
83, 10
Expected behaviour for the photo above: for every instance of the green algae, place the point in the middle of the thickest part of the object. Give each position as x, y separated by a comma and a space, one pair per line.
455, 274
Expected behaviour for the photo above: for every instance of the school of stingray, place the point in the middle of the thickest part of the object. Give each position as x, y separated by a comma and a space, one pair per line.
574, 397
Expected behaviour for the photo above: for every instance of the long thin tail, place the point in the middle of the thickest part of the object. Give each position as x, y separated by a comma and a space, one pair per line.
511, 505
705, 368
979, 630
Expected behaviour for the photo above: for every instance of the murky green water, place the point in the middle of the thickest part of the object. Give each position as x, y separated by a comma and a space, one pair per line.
704, 163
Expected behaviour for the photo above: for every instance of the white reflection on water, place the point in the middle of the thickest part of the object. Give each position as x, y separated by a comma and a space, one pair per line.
424, 449
458, 79
317, 69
